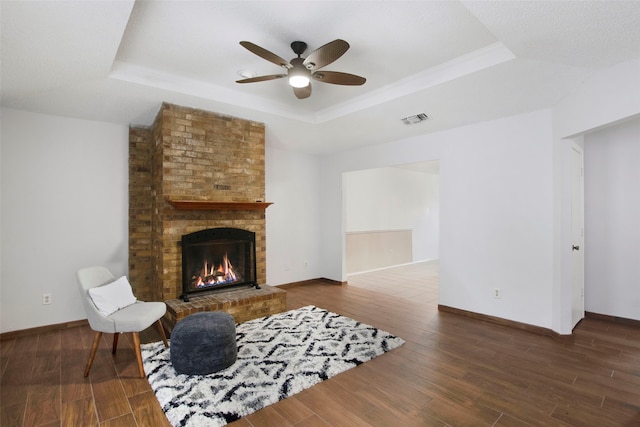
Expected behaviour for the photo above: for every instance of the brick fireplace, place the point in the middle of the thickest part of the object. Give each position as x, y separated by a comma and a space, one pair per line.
192, 170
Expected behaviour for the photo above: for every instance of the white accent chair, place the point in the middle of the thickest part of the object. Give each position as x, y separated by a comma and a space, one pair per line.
133, 318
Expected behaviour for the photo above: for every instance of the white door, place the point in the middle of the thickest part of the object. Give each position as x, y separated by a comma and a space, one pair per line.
577, 234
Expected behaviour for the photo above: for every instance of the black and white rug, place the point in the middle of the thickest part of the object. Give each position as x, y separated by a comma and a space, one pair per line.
278, 356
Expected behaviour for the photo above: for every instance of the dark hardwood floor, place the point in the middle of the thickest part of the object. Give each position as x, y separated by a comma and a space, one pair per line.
452, 371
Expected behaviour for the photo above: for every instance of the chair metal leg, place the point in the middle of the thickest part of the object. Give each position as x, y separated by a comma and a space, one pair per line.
162, 334
115, 342
136, 347
92, 355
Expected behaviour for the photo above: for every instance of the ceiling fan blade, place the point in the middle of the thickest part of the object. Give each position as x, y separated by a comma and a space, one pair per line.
302, 92
265, 54
261, 78
325, 55
338, 78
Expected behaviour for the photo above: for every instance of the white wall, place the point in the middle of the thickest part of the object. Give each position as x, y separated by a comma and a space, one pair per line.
497, 219
496, 187
393, 198
64, 206
608, 96
293, 185
427, 230
612, 220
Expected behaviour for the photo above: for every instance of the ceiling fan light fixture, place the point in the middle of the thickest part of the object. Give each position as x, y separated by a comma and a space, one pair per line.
299, 76
299, 81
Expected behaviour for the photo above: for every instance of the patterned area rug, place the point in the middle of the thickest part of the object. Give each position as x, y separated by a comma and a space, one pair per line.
278, 356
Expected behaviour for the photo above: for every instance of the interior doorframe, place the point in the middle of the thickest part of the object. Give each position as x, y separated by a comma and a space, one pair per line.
577, 260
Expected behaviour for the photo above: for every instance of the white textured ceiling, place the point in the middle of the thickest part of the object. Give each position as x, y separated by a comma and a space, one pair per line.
458, 62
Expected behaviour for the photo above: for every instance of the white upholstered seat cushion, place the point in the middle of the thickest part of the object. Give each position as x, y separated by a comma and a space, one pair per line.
137, 317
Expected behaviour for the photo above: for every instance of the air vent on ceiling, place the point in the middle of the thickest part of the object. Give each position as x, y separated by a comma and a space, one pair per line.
411, 120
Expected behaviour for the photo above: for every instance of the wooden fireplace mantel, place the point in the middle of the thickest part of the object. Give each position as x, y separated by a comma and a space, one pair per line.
209, 205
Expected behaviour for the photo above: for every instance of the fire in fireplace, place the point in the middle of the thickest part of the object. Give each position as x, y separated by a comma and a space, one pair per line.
217, 258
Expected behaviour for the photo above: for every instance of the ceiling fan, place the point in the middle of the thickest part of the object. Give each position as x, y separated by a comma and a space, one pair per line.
300, 70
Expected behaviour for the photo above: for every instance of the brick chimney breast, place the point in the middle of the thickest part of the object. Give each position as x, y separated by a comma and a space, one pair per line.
190, 154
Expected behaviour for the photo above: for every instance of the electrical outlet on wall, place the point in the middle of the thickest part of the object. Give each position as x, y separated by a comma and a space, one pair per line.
46, 299
497, 293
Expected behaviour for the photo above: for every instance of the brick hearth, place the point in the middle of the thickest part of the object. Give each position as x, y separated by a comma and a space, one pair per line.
243, 304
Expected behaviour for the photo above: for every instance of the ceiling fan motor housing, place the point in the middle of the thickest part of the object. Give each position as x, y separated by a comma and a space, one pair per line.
298, 47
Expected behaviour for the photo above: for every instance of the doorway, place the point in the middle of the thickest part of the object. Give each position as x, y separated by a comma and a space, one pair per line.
395, 212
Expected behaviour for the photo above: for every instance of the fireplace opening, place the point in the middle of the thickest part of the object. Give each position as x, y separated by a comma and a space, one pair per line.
217, 258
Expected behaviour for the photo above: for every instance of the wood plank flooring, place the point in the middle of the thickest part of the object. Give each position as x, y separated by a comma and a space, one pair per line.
453, 370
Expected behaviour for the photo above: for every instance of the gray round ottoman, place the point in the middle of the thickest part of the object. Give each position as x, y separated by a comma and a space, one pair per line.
203, 343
